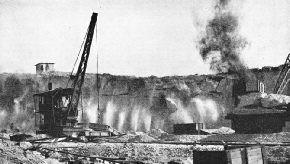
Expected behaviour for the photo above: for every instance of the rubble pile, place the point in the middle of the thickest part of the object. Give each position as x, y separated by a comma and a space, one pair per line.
274, 137
142, 138
275, 100
263, 99
156, 133
137, 149
11, 153
139, 137
251, 98
208, 148
224, 130
259, 138
181, 138
150, 153
278, 154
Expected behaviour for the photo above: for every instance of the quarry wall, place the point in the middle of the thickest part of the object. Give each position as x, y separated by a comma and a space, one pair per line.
134, 103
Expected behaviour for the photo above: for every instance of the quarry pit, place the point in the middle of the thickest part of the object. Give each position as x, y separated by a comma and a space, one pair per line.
148, 139
234, 115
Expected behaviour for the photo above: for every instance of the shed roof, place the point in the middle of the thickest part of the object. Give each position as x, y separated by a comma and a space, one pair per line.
43, 63
59, 91
254, 109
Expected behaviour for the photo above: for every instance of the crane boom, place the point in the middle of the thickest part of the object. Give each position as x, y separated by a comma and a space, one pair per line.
78, 79
283, 78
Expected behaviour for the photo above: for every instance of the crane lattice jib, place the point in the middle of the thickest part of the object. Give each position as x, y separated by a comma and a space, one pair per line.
79, 77
283, 78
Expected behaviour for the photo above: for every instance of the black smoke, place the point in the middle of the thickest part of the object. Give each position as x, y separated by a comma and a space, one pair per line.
221, 44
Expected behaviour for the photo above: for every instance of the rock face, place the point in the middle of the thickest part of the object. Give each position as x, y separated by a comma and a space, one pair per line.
132, 103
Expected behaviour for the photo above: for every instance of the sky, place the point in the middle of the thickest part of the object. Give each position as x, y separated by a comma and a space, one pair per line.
135, 37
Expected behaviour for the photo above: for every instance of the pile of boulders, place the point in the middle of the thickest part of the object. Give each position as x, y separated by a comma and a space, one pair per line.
142, 138
274, 100
181, 138
10, 152
224, 130
152, 153
265, 100
156, 133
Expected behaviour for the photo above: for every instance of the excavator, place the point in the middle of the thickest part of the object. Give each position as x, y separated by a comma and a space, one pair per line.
56, 111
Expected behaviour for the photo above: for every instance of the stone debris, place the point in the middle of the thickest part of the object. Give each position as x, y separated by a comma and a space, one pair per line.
138, 147
12, 153
25, 145
250, 98
50, 161
208, 148
147, 153
275, 100
135, 133
4, 136
224, 130
181, 138
142, 138
266, 100
156, 133
171, 104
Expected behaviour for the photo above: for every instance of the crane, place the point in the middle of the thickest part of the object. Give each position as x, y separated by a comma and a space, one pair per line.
283, 78
56, 111
78, 79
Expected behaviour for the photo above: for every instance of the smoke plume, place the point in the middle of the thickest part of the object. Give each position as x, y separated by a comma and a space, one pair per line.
221, 44
16, 105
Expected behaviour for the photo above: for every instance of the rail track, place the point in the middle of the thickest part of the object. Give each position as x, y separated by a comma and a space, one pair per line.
49, 146
238, 143
69, 156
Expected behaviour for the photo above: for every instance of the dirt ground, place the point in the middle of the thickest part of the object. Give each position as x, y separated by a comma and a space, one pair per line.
143, 147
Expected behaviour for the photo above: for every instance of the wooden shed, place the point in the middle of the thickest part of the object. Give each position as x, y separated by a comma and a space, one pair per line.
191, 128
248, 155
253, 119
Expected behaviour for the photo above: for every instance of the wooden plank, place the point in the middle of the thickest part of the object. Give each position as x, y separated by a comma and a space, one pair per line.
264, 155
254, 155
255, 151
237, 161
255, 161
236, 156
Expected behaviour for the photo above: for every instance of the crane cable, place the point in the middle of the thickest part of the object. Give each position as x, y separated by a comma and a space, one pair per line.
78, 56
75, 62
98, 89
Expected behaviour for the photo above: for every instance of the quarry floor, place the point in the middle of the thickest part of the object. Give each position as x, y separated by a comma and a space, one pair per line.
142, 147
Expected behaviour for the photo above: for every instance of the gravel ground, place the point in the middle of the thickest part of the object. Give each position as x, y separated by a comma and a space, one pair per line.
262, 138
149, 148
12, 153
149, 153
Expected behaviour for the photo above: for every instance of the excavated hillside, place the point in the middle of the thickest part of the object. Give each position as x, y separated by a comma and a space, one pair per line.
134, 103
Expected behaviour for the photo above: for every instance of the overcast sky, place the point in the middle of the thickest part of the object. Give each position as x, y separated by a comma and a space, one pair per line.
134, 37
